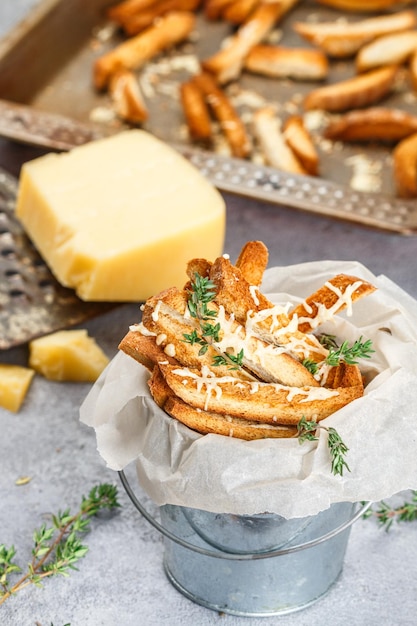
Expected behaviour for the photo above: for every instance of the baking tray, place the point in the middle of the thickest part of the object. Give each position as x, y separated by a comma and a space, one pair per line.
46, 64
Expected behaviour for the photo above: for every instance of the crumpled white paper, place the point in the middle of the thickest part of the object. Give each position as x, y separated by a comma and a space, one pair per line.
176, 465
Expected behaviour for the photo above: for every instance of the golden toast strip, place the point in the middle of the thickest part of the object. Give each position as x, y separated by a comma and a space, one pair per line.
277, 153
235, 293
254, 311
127, 97
252, 261
364, 6
227, 64
344, 375
197, 266
413, 70
169, 30
196, 112
387, 50
160, 390
405, 167
213, 9
144, 349
136, 23
170, 329
335, 295
121, 11
343, 40
352, 93
284, 62
206, 422
373, 124
299, 140
239, 10
261, 402
223, 110
265, 361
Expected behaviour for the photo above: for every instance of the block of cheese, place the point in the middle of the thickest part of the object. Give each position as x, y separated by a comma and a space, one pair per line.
117, 219
14, 384
67, 355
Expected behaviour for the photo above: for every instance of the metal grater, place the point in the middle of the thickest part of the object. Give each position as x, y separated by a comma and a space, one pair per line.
32, 302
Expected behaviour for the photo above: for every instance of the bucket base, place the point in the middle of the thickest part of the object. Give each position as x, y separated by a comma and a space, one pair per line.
260, 584
233, 611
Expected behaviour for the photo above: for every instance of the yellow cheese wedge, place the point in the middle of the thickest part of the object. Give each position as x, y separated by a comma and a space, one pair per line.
117, 219
14, 384
67, 355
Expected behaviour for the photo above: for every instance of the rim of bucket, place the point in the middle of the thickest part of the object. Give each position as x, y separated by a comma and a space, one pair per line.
231, 555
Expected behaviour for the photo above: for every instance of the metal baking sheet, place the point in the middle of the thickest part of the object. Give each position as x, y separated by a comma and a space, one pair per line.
47, 61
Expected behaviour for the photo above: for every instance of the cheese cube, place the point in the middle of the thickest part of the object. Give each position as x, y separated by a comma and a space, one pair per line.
117, 219
14, 384
67, 355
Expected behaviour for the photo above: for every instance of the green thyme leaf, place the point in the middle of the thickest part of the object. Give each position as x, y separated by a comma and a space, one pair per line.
201, 293
56, 549
387, 514
350, 354
306, 431
312, 366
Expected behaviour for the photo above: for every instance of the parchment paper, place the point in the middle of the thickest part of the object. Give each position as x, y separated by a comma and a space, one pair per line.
176, 465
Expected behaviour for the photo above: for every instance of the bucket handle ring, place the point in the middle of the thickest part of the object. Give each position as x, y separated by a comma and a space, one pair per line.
232, 556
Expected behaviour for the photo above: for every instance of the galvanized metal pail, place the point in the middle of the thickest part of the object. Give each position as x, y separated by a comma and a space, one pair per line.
252, 565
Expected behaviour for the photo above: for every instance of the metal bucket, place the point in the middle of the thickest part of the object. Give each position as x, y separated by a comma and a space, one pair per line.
255, 565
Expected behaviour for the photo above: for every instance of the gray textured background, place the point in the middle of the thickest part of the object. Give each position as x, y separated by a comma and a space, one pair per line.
121, 580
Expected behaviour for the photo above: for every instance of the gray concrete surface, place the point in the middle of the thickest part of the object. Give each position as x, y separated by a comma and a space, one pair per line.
121, 581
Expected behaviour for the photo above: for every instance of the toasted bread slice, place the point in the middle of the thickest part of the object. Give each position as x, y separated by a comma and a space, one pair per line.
120, 11
413, 69
352, 93
344, 375
260, 402
392, 49
171, 327
364, 6
227, 63
344, 40
136, 23
252, 261
196, 112
267, 129
284, 62
269, 322
213, 9
169, 30
127, 97
239, 11
268, 362
405, 167
227, 116
160, 390
334, 296
373, 124
198, 266
299, 140
235, 293
206, 422
144, 349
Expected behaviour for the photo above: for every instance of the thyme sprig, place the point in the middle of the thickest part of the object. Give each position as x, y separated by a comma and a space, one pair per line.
202, 292
57, 548
306, 431
386, 514
348, 354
